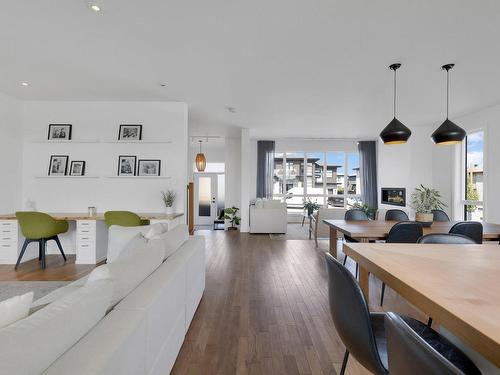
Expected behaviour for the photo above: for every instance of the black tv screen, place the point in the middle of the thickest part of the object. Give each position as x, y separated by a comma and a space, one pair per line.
394, 196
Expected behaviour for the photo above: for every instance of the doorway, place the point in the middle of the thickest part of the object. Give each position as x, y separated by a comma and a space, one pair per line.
209, 196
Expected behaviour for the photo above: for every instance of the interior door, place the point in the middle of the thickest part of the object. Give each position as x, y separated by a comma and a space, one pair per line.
205, 198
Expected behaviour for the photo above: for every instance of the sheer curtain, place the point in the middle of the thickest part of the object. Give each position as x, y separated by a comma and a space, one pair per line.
368, 172
265, 169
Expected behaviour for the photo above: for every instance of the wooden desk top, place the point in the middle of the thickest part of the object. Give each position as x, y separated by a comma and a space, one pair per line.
100, 216
458, 285
378, 229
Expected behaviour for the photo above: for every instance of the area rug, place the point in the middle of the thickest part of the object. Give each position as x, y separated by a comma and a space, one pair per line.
10, 289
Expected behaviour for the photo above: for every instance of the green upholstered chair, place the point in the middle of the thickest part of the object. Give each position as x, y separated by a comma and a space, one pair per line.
124, 218
40, 227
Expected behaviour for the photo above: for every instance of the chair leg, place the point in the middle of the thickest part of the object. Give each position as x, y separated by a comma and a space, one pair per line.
56, 238
344, 362
39, 250
429, 322
345, 260
357, 270
44, 248
25, 245
382, 294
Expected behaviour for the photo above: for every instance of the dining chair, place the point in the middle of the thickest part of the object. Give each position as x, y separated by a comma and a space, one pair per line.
396, 215
40, 227
415, 350
361, 331
471, 229
354, 214
124, 219
403, 232
440, 215
446, 238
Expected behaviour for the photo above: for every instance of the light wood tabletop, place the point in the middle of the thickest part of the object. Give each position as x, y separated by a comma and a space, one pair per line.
457, 285
379, 229
100, 216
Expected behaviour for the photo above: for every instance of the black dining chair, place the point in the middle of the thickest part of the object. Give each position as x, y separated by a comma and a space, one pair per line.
354, 214
403, 232
396, 215
446, 239
361, 331
417, 349
440, 215
471, 229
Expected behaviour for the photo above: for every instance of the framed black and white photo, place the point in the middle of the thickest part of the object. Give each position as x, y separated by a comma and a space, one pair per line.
60, 131
126, 165
148, 167
77, 168
58, 165
130, 133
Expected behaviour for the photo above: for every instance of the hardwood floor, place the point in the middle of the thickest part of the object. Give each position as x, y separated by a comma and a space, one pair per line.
265, 310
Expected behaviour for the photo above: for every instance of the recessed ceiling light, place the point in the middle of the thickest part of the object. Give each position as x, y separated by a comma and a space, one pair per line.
95, 7
24, 84
231, 109
163, 84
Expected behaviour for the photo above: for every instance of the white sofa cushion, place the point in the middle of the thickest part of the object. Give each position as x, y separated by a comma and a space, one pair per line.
273, 204
119, 237
127, 273
154, 230
15, 308
171, 241
30, 345
58, 293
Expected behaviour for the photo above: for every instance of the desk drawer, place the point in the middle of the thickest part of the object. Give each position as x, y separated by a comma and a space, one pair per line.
8, 238
8, 226
85, 224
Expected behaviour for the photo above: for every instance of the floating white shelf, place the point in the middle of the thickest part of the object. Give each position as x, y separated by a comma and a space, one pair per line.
67, 141
139, 142
140, 177
68, 177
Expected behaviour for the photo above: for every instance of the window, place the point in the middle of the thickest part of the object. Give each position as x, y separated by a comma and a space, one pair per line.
318, 176
474, 175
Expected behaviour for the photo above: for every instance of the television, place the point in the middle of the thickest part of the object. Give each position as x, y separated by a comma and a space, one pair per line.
394, 196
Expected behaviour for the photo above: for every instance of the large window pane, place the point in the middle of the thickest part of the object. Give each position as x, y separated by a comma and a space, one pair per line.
294, 183
279, 174
314, 173
335, 173
336, 202
474, 161
353, 184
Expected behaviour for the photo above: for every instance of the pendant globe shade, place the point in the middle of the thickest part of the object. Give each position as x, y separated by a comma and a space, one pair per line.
200, 161
448, 133
395, 132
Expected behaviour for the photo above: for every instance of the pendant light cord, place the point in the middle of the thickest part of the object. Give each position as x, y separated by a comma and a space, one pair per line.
447, 92
395, 93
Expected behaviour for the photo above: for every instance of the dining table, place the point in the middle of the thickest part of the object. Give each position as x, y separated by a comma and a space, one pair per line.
371, 230
457, 285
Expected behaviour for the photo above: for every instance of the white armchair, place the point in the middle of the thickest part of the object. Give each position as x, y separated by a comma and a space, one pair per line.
268, 217
319, 229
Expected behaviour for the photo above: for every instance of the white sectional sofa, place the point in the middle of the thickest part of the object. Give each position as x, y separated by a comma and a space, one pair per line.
268, 216
143, 332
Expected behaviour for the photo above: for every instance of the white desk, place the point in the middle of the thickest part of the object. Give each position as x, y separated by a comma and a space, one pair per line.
91, 235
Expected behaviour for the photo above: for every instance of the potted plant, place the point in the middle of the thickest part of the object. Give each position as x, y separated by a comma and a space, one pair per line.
168, 200
310, 206
423, 201
370, 212
230, 214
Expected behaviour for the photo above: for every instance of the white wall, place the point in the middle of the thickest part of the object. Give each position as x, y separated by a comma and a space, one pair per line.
233, 171
407, 165
11, 147
101, 120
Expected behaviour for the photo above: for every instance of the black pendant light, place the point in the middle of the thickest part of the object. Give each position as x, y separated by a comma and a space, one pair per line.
395, 132
448, 133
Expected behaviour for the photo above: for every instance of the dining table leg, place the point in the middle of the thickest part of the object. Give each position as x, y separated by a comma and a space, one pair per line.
364, 283
333, 242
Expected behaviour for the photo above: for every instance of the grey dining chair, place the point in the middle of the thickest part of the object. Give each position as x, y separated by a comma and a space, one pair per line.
354, 214
396, 215
471, 229
440, 215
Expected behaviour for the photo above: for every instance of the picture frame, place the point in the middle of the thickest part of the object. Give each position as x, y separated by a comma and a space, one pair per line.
77, 168
130, 133
60, 132
58, 165
126, 165
149, 167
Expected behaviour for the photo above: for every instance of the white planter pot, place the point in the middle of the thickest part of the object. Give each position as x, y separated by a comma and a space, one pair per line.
169, 210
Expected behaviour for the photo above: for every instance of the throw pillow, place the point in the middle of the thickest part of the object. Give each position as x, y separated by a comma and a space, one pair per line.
15, 308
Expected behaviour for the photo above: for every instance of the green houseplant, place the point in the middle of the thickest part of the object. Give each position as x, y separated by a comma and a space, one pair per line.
168, 198
370, 212
310, 206
230, 214
423, 201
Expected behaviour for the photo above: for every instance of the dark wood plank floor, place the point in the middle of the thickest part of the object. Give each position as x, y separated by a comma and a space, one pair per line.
265, 310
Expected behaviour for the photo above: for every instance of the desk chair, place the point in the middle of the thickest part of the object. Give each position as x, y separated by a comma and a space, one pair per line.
124, 219
354, 214
40, 227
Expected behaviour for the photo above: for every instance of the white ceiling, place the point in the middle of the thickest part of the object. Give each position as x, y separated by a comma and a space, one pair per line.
308, 68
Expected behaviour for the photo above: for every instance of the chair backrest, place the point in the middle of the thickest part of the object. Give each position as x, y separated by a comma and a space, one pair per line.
122, 218
36, 225
351, 316
409, 354
440, 215
446, 238
323, 230
405, 232
396, 215
355, 214
471, 229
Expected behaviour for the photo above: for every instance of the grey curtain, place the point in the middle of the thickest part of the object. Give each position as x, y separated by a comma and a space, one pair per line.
368, 172
265, 169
